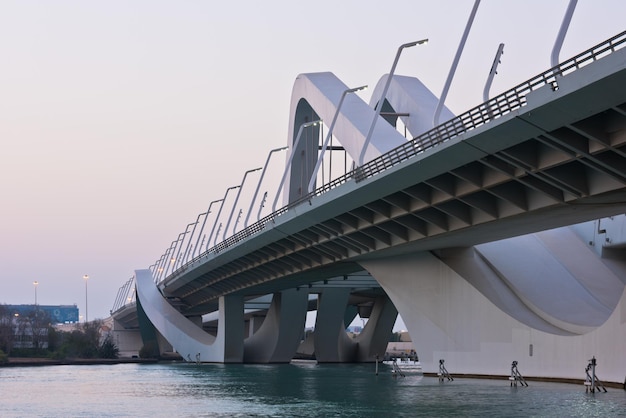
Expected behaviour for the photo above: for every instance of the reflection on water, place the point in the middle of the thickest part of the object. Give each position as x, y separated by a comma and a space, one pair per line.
302, 389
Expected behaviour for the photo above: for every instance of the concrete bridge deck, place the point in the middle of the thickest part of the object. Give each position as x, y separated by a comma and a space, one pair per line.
553, 155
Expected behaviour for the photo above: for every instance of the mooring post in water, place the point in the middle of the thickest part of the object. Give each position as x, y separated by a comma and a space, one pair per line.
593, 374
516, 376
591, 381
443, 372
376, 364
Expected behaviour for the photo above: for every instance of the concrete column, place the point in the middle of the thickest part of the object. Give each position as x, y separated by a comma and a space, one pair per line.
332, 345
254, 324
189, 340
373, 339
277, 339
230, 328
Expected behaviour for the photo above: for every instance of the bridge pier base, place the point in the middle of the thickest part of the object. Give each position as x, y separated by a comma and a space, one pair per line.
374, 338
277, 339
332, 343
230, 328
188, 339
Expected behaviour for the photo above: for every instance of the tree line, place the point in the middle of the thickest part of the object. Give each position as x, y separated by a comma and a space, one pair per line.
32, 334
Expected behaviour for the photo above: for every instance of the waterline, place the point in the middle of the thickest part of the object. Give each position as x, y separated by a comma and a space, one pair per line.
302, 389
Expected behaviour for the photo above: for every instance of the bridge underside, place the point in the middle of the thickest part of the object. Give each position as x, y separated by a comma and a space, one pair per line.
491, 205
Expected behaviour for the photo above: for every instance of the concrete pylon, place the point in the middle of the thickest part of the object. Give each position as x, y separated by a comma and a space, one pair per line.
277, 339
187, 338
332, 344
373, 340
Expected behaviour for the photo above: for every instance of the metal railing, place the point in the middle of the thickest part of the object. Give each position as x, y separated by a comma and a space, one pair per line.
498, 106
125, 295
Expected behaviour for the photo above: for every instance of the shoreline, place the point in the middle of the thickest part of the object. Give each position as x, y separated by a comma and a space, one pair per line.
38, 361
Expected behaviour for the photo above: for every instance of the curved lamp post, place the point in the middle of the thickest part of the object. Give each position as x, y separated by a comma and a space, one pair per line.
230, 217
558, 43
174, 255
169, 257
217, 217
256, 192
329, 136
184, 255
368, 138
207, 213
455, 62
288, 167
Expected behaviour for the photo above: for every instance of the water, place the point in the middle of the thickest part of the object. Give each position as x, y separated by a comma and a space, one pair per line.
289, 390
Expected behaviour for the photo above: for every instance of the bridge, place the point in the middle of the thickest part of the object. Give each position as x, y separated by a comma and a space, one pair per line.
499, 232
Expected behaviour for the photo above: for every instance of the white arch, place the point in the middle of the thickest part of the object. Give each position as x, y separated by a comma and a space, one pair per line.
187, 338
410, 95
322, 92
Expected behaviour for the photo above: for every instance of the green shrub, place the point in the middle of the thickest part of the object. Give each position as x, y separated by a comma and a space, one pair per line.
108, 349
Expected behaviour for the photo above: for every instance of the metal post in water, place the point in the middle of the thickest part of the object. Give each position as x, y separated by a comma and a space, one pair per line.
593, 374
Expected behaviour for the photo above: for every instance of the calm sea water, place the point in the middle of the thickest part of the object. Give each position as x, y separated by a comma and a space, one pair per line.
289, 390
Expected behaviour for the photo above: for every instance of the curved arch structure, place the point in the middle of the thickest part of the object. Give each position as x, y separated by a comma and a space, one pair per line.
316, 96
187, 338
410, 95
556, 290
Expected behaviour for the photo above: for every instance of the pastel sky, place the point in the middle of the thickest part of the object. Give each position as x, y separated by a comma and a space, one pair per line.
121, 120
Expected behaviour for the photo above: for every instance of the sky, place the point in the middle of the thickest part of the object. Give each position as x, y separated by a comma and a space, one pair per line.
121, 120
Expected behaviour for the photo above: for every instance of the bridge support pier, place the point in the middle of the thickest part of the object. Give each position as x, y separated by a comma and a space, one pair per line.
187, 338
374, 338
230, 328
277, 339
332, 343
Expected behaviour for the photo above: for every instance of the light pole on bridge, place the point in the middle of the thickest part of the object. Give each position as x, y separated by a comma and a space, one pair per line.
288, 167
256, 192
217, 217
230, 217
381, 102
329, 136
207, 213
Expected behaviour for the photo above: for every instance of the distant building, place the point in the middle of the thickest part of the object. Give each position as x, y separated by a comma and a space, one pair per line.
354, 329
58, 314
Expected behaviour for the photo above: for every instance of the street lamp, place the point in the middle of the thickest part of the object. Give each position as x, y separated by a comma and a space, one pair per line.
183, 259
86, 277
455, 62
288, 167
208, 211
558, 43
329, 135
217, 217
35, 283
230, 217
256, 192
381, 102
